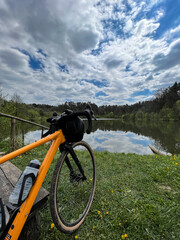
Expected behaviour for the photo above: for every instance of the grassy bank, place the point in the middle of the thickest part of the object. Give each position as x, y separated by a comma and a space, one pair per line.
137, 197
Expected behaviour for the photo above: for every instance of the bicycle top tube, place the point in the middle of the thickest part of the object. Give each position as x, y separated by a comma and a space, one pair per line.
24, 149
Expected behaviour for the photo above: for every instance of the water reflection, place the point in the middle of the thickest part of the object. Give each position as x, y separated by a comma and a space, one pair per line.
32, 136
118, 141
115, 136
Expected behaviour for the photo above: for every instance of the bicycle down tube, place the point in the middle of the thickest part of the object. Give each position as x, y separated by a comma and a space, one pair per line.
24, 210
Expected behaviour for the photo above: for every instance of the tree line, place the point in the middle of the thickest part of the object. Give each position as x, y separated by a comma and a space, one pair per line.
164, 106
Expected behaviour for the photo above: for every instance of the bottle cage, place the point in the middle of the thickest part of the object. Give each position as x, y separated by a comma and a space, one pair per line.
30, 175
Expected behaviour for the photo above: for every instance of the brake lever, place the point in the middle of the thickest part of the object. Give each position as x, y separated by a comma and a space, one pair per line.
89, 109
93, 116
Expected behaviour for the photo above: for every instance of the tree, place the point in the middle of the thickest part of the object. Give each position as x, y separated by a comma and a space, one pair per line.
17, 105
32, 115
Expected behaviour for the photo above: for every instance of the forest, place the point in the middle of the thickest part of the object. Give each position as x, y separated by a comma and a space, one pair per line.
164, 106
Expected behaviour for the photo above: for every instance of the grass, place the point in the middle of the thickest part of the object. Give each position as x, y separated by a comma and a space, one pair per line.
137, 197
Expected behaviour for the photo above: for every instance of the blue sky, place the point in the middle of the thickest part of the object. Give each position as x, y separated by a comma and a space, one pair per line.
106, 52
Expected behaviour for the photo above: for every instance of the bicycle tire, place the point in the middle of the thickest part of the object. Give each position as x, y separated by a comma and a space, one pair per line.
70, 201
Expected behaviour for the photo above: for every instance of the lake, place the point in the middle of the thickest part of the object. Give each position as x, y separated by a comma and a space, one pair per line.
115, 136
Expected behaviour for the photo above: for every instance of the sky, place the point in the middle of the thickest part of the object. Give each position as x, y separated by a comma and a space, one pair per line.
108, 52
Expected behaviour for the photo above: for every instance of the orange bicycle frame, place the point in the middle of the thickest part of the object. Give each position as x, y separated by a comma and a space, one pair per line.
21, 217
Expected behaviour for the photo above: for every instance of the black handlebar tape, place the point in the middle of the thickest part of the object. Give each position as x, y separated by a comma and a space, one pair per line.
86, 114
89, 122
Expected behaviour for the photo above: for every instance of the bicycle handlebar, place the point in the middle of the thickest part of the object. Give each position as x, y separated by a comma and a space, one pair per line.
58, 121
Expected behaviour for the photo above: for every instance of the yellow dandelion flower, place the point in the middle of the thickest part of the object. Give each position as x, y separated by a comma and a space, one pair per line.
90, 179
98, 212
101, 216
177, 163
112, 191
52, 225
175, 169
124, 236
76, 237
107, 213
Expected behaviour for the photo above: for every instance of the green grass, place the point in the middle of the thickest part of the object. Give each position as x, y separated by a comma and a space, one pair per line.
137, 197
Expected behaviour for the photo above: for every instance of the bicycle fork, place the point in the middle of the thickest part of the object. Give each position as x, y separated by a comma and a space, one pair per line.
73, 175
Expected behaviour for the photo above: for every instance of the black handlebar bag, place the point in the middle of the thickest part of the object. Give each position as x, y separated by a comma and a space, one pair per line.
73, 130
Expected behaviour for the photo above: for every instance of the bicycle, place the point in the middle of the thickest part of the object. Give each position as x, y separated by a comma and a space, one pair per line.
74, 177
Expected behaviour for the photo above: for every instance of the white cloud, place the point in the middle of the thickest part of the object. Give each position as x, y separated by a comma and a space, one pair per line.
169, 60
13, 60
128, 25
83, 40
145, 27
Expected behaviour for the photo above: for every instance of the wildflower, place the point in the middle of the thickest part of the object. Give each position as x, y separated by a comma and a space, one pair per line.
124, 236
94, 227
112, 191
52, 225
120, 224
101, 216
98, 212
76, 237
175, 169
177, 163
107, 213
90, 179
167, 168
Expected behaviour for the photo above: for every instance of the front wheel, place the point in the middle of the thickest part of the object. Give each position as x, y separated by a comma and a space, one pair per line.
71, 197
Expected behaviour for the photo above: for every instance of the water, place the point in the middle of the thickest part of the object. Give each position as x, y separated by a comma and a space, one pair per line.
115, 136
